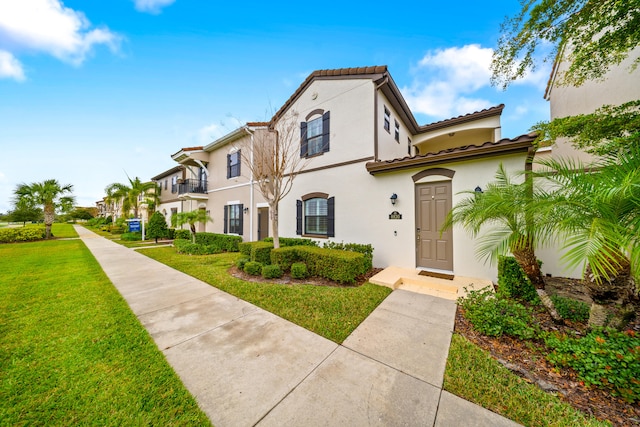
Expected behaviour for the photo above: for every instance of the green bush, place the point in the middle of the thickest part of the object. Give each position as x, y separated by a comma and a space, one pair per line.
253, 268
131, 237
182, 234
171, 233
513, 282
571, 309
22, 234
333, 264
494, 315
116, 229
292, 241
241, 262
257, 251
272, 271
604, 358
245, 248
366, 250
184, 246
226, 242
157, 227
299, 270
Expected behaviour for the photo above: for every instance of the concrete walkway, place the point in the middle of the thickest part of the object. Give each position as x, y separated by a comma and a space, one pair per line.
246, 366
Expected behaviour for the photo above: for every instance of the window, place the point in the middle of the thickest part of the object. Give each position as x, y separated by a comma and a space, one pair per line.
315, 215
174, 184
409, 146
166, 183
233, 164
233, 223
387, 119
397, 131
314, 135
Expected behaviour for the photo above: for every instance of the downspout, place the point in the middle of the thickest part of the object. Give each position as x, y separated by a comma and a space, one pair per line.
251, 182
375, 117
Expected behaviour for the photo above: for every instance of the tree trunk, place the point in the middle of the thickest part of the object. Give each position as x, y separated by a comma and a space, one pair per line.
49, 216
612, 297
273, 213
528, 261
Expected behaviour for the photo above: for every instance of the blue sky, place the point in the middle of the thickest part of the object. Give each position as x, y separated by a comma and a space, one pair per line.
92, 91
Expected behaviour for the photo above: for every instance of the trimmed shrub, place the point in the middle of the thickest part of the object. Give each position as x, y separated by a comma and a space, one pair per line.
182, 234
299, 270
494, 316
116, 229
513, 282
157, 227
292, 241
226, 242
257, 251
240, 263
171, 233
253, 268
21, 234
285, 256
245, 248
131, 237
366, 250
272, 271
333, 264
571, 309
184, 246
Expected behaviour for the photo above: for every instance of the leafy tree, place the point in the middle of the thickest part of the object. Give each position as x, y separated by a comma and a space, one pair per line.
192, 218
25, 211
157, 227
506, 207
81, 213
50, 195
596, 209
131, 195
593, 34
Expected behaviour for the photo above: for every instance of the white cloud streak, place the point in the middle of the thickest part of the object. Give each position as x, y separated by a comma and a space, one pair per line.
48, 26
10, 67
151, 6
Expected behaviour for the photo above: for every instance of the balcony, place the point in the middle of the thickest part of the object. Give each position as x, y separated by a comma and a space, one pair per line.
192, 186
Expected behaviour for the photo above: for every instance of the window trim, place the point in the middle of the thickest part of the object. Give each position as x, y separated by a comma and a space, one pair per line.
301, 215
304, 137
239, 226
396, 131
387, 119
231, 168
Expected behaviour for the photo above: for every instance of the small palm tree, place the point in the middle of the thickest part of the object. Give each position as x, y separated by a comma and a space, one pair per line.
50, 195
506, 208
131, 195
597, 210
192, 218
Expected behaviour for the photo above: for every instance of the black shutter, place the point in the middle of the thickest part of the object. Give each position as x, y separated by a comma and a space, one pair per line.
325, 132
228, 171
226, 218
241, 214
331, 217
299, 217
239, 164
303, 139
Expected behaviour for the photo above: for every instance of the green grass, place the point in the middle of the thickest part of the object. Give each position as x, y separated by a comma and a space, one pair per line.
333, 312
472, 374
63, 231
72, 351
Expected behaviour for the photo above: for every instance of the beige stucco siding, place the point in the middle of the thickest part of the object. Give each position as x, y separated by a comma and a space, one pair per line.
388, 147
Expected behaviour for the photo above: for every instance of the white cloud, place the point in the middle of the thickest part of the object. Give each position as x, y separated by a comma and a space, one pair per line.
208, 134
50, 27
445, 81
151, 6
10, 67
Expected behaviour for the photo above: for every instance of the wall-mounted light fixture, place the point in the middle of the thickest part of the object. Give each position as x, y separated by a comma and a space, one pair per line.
393, 198
245, 210
478, 189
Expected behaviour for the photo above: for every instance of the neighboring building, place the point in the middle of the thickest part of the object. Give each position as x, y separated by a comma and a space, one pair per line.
169, 181
373, 175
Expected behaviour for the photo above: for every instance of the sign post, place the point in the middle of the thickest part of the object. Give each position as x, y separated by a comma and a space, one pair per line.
136, 225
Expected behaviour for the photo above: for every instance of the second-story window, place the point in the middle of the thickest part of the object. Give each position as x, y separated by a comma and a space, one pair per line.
397, 131
233, 164
174, 184
387, 119
314, 135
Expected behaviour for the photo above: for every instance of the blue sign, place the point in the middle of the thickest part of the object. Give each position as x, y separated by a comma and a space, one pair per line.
134, 226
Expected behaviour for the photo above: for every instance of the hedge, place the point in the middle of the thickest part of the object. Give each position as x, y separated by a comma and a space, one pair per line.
333, 264
366, 250
226, 242
181, 234
21, 234
184, 246
513, 282
257, 251
292, 241
272, 271
253, 268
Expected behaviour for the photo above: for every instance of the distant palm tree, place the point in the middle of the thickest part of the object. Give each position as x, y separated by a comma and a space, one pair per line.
596, 208
503, 217
132, 195
191, 218
50, 195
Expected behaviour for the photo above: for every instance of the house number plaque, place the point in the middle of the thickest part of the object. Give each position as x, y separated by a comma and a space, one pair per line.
395, 215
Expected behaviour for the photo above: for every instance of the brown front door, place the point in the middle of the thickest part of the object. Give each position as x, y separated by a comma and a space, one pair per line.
433, 203
263, 223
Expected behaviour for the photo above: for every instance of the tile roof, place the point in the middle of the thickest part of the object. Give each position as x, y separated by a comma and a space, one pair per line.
503, 146
487, 112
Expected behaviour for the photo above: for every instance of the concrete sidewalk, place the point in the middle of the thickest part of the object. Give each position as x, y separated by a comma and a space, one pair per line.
246, 366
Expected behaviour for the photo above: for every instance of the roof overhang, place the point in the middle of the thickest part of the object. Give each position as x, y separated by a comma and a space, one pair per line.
191, 156
522, 143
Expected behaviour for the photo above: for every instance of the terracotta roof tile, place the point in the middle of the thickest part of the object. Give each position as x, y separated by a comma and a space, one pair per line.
487, 112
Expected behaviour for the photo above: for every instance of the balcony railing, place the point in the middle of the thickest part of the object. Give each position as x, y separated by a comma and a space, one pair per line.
192, 186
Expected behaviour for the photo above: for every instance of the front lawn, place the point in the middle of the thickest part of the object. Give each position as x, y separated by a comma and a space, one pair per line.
331, 311
72, 351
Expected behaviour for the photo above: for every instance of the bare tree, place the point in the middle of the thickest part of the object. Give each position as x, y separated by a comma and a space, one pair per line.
273, 158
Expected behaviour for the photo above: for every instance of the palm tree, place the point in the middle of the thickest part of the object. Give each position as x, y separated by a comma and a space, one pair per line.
597, 211
191, 218
50, 195
506, 207
131, 195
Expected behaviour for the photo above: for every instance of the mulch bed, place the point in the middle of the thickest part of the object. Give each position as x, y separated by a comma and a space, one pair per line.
528, 361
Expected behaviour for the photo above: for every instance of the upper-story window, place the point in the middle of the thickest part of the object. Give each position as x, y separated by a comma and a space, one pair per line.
409, 146
387, 119
166, 183
174, 184
233, 164
397, 131
203, 175
314, 134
